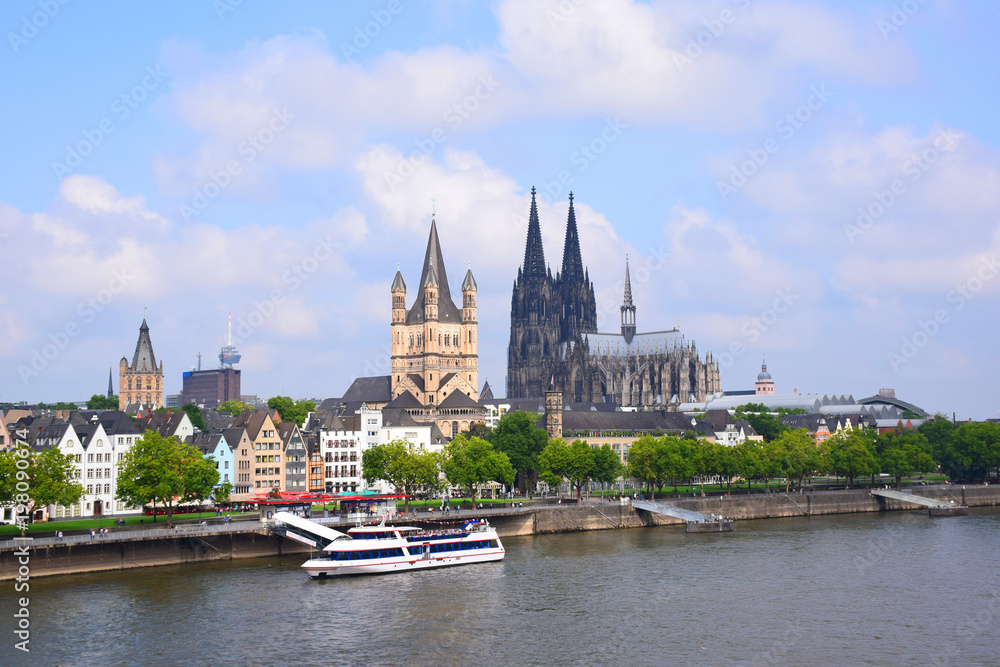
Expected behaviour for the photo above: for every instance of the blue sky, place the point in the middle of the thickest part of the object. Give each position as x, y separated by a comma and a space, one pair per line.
817, 181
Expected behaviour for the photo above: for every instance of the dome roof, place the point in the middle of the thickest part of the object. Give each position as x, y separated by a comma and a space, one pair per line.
764, 375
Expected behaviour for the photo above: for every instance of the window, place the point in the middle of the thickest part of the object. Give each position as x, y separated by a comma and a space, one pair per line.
90, 458
107, 488
90, 474
90, 489
77, 457
99, 457
107, 472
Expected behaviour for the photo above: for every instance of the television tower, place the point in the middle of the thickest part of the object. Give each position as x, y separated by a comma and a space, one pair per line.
229, 355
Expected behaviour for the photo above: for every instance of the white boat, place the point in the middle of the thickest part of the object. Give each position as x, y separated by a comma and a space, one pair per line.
383, 549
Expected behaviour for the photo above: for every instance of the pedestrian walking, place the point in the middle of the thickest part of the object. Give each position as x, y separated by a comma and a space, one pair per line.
92, 534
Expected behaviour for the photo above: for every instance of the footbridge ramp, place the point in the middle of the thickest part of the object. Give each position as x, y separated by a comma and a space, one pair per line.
670, 510
910, 498
304, 531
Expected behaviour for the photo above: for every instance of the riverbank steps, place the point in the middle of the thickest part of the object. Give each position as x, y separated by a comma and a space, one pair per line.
255, 542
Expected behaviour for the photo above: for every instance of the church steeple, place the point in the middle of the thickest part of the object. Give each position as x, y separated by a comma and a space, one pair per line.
534, 255
628, 309
111, 386
435, 277
572, 263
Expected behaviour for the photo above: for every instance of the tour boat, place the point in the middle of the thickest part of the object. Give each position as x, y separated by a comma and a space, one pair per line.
383, 549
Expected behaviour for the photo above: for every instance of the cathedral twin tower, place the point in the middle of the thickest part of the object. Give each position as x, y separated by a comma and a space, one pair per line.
555, 345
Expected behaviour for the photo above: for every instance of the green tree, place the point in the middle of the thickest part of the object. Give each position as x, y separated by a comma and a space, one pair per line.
194, 412
469, 462
772, 462
479, 430
678, 459
607, 465
291, 410
707, 462
517, 436
644, 462
903, 452
98, 402
233, 408
852, 453
61, 405
801, 456
766, 425
938, 432
222, 492
165, 471
49, 476
407, 469
974, 450
749, 460
574, 462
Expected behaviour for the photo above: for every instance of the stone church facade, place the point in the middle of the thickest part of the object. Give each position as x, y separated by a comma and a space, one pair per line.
435, 360
555, 345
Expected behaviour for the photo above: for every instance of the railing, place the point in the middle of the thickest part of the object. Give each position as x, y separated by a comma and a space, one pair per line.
120, 534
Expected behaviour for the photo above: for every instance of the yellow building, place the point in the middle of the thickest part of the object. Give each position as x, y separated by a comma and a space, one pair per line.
435, 360
142, 382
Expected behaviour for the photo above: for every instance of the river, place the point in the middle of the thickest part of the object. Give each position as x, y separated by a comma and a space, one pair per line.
890, 588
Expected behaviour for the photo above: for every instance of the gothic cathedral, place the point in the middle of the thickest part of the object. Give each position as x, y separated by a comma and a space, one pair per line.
555, 345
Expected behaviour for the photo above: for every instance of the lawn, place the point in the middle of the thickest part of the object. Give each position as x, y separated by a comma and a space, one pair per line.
109, 522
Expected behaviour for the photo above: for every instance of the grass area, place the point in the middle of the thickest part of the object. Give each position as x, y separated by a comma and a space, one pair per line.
109, 522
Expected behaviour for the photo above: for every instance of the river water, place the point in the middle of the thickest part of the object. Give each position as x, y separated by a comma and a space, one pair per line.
895, 588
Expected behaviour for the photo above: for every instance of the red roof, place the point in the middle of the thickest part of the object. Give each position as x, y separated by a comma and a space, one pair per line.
292, 498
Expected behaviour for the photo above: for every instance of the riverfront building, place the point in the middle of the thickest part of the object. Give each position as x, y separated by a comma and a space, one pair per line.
142, 381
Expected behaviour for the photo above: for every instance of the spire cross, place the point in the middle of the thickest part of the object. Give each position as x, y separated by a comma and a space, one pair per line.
433, 207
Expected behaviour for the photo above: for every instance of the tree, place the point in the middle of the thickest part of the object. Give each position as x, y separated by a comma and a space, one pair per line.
194, 412
517, 436
479, 430
772, 462
974, 450
290, 410
61, 405
607, 465
398, 463
222, 492
644, 462
766, 425
165, 471
574, 462
233, 408
749, 460
707, 461
38, 479
677, 459
852, 453
469, 462
98, 402
902, 452
938, 432
801, 457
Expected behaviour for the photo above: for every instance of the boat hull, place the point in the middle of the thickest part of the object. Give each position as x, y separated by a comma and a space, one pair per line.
324, 568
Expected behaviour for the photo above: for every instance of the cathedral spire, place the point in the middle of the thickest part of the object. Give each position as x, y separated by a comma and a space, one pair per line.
111, 387
628, 309
572, 265
534, 255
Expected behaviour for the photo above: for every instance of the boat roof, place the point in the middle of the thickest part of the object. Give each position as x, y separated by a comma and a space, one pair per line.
380, 529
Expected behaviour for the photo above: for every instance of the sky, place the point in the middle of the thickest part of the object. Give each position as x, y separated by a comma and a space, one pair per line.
814, 181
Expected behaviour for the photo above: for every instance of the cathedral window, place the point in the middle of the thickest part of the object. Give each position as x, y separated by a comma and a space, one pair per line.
130, 383
439, 339
447, 340
149, 384
411, 341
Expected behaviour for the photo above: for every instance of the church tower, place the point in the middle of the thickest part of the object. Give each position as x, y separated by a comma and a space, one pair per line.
434, 344
142, 382
628, 309
576, 293
764, 384
534, 318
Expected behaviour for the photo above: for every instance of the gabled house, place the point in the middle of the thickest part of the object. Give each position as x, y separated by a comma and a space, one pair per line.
216, 446
296, 456
242, 457
169, 424
264, 463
